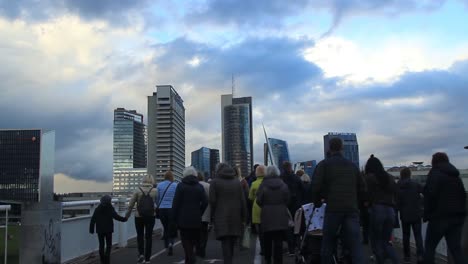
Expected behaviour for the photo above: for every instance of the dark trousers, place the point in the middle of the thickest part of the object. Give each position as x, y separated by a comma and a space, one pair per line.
351, 233
201, 246
168, 223
365, 223
144, 228
190, 239
273, 246
105, 250
416, 226
451, 230
383, 221
292, 240
258, 229
228, 243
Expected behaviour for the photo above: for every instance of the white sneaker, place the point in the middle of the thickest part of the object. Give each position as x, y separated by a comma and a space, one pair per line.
141, 259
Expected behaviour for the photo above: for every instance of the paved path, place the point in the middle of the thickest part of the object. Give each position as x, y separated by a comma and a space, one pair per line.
128, 255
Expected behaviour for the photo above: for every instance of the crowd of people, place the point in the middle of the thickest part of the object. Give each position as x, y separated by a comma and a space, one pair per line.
361, 208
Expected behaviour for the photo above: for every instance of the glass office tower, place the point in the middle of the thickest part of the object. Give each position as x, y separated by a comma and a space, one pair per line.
237, 132
27, 161
129, 139
277, 150
350, 145
129, 149
166, 133
201, 161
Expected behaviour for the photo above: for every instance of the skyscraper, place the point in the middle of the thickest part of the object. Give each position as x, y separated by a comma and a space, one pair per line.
237, 132
129, 150
201, 161
205, 160
276, 152
27, 162
350, 145
214, 160
166, 133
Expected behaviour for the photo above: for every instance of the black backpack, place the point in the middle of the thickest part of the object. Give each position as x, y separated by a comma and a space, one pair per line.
145, 205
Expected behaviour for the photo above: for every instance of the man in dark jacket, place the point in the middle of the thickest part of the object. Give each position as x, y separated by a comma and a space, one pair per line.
189, 204
338, 182
296, 191
409, 203
102, 219
444, 208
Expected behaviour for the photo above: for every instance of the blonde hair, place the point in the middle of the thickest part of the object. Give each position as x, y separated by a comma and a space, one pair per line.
305, 178
148, 179
260, 170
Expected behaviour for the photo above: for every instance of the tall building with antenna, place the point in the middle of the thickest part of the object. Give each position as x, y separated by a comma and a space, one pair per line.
237, 131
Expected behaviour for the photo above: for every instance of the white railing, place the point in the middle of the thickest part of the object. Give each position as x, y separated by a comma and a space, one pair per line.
6, 208
76, 239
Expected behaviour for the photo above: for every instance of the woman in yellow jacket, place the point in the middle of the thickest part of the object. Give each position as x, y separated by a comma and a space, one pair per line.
256, 210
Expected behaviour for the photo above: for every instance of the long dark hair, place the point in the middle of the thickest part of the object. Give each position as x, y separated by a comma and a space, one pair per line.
375, 167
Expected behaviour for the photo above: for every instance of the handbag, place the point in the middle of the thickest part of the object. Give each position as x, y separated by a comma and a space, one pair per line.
246, 237
160, 201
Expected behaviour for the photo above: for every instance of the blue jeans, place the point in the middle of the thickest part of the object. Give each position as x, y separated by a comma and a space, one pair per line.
451, 229
383, 221
349, 222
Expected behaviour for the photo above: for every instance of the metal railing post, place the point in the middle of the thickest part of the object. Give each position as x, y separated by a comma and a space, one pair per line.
123, 234
6, 236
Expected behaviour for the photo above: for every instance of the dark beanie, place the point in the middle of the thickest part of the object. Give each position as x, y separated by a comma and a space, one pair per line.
106, 199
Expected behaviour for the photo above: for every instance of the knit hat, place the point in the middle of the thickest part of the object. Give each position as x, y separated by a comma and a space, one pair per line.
106, 199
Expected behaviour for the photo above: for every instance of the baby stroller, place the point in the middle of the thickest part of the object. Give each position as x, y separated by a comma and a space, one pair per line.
309, 226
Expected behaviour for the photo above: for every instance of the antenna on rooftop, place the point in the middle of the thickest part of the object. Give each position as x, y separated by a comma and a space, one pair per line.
233, 86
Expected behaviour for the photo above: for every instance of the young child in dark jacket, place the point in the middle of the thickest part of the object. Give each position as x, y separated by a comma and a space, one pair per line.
103, 220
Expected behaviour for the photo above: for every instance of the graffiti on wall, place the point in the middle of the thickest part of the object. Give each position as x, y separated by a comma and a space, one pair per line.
51, 244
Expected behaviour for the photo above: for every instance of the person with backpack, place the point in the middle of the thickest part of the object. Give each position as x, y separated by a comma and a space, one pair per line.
190, 202
144, 197
166, 191
102, 219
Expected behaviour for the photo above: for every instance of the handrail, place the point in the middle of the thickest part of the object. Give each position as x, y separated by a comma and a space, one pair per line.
87, 202
5, 207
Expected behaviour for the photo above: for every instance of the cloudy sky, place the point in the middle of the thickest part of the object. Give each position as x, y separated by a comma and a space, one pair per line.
394, 71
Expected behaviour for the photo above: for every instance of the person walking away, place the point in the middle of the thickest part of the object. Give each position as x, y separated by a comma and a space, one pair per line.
206, 219
166, 191
102, 219
245, 190
144, 197
189, 204
228, 209
252, 176
444, 208
256, 210
382, 194
364, 216
296, 191
273, 198
410, 206
306, 184
338, 182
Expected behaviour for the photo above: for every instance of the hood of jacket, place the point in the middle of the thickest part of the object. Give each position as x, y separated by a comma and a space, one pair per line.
227, 173
448, 168
273, 183
405, 183
190, 180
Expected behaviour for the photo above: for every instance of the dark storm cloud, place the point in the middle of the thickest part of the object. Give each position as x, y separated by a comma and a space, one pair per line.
261, 66
272, 14
83, 137
117, 12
